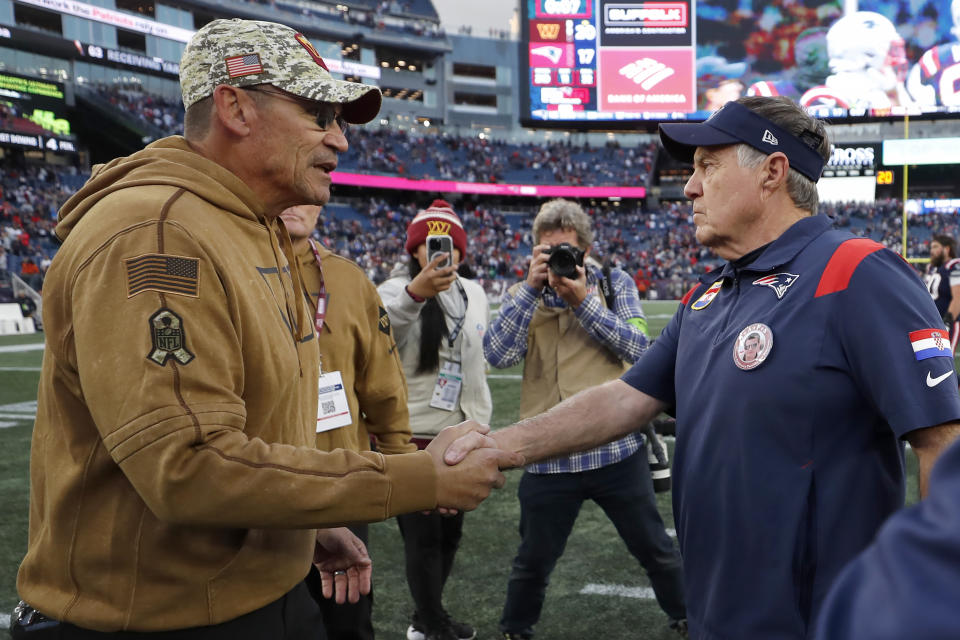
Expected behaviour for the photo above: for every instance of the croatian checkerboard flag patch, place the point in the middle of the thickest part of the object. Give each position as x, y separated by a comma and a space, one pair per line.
930, 343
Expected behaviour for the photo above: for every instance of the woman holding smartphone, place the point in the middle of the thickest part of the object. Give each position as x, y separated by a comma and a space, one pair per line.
438, 321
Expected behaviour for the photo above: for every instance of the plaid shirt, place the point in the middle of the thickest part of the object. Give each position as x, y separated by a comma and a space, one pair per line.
621, 329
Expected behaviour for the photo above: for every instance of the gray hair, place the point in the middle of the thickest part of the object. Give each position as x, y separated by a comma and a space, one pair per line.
196, 121
560, 214
785, 113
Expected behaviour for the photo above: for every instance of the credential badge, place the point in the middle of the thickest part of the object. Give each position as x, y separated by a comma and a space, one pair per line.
166, 332
779, 282
752, 346
704, 301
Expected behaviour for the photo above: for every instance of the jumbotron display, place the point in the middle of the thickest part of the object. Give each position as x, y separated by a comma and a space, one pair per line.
599, 62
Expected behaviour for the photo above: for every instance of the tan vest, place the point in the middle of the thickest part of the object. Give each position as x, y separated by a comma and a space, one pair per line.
562, 359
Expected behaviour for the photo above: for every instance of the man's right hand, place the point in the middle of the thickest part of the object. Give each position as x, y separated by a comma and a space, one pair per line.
432, 280
537, 275
465, 485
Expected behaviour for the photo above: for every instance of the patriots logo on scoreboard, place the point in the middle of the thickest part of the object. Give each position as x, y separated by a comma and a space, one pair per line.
779, 282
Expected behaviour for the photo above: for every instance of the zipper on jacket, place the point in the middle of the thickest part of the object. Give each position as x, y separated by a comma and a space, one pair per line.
730, 307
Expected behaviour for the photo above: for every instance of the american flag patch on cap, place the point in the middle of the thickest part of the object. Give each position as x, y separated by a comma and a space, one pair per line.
245, 65
163, 273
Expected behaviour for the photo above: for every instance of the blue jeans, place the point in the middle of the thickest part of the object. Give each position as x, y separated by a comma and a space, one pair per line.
549, 505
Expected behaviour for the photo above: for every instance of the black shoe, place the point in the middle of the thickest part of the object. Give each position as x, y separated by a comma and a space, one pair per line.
461, 630
445, 632
680, 626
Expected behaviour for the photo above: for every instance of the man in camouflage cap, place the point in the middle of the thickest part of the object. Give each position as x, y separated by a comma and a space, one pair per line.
175, 486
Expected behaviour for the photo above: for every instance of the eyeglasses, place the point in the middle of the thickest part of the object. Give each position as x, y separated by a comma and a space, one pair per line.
324, 113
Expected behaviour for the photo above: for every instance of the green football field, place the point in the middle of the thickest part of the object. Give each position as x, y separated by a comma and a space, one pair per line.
596, 589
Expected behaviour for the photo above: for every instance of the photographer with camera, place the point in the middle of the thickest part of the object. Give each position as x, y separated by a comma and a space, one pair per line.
571, 336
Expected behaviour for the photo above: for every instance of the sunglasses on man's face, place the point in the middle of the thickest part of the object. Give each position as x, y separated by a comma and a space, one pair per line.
324, 113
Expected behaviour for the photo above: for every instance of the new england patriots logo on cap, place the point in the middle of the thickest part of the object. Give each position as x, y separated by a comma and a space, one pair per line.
779, 282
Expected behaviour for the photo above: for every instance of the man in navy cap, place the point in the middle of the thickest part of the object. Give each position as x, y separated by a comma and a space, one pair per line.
795, 372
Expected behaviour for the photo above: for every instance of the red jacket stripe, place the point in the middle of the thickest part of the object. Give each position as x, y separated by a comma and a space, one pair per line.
843, 263
689, 294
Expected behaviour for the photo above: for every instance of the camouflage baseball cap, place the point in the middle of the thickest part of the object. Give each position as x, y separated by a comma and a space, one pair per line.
242, 53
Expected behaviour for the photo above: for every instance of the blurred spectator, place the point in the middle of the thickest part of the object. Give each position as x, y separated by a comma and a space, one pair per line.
30, 272
27, 305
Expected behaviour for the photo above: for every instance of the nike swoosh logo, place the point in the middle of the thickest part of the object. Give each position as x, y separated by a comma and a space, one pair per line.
932, 382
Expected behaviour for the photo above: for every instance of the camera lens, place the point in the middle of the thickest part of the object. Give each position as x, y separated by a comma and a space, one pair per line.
564, 260
563, 264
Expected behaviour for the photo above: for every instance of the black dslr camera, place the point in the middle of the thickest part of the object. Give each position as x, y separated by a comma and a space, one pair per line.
564, 260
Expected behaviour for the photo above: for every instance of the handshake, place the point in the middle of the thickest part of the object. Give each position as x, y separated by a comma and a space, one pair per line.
468, 462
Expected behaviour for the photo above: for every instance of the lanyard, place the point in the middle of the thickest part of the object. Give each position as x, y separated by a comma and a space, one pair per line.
322, 297
458, 322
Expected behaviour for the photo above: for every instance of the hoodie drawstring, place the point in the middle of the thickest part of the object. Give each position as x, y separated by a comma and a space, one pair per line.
299, 312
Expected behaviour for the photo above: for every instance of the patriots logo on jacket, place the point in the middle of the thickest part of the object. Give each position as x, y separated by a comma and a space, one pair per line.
779, 282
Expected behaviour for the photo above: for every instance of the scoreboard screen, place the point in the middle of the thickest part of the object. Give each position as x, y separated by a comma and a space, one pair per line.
35, 100
596, 63
607, 59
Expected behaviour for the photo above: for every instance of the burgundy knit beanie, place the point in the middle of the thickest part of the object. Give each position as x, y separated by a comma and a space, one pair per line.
437, 219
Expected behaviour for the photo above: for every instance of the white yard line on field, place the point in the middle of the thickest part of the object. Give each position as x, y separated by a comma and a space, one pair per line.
14, 348
642, 593
19, 412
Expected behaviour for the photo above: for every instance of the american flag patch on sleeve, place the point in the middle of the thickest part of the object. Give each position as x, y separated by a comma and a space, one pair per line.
245, 65
163, 273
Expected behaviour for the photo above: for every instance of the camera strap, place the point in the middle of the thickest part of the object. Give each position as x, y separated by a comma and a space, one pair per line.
606, 286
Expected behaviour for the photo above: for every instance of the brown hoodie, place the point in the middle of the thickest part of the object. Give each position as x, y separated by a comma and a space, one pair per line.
356, 341
174, 482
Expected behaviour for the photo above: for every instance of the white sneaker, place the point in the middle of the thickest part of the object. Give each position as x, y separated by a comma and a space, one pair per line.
415, 634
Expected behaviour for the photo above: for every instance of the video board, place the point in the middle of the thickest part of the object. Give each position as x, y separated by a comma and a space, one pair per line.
599, 62
33, 105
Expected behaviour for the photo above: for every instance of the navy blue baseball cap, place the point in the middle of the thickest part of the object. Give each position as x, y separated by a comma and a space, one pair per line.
733, 124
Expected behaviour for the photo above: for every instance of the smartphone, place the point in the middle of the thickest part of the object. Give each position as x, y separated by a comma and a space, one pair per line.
440, 244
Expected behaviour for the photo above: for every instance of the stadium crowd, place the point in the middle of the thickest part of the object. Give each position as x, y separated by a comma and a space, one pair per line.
29, 199
451, 157
657, 247
439, 156
162, 112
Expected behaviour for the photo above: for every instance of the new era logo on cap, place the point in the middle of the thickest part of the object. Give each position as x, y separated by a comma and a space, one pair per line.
769, 138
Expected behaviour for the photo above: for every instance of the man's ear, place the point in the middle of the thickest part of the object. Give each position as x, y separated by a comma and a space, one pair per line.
776, 168
234, 109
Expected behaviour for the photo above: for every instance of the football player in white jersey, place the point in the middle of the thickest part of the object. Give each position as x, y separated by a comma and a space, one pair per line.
868, 65
935, 79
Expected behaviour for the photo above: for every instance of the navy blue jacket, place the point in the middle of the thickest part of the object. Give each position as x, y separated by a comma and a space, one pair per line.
785, 470
905, 585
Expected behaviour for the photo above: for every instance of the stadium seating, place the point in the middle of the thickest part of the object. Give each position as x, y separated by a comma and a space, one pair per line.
657, 247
